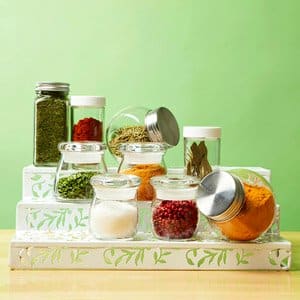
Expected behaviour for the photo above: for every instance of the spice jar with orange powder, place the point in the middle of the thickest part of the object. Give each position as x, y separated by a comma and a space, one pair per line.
144, 160
239, 203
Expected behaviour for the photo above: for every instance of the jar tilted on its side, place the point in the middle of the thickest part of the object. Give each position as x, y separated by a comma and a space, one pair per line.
239, 203
201, 149
79, 163
50, 121
175, 215
140, 124
113, 212
144, 160
87, 118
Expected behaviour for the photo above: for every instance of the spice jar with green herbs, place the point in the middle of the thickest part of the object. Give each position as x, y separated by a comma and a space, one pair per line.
50, 121
141, 125
201, 150
80, 161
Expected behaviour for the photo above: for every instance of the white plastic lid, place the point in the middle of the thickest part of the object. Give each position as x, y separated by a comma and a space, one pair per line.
88, 101
201, 132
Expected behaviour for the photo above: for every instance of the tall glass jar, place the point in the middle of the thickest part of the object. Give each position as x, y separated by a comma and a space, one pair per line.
79, 163
140, 124
201, 149
144, 160
175, 215
239, 203
50, 121
113, 212
87, 118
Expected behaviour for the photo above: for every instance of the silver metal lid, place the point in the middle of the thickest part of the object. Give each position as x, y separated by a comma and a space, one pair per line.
81, 147
221, 196
162, 126
52, 86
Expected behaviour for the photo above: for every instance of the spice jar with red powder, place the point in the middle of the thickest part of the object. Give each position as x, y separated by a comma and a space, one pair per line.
175, 215
87, 118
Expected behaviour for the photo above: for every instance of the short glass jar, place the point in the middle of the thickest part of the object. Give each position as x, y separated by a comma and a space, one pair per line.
239, 203
175, 215
140, 124
87, 118
113, 212
79, 163
50, 121
201, 149
144, 160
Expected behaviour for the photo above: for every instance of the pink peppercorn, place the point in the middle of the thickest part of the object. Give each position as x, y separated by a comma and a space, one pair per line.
175, 219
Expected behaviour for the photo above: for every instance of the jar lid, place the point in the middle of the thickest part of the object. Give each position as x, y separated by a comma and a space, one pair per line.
81, 147
52, 86
88, 101
221, 196
162, 126
201, 132
143, 147
112, 181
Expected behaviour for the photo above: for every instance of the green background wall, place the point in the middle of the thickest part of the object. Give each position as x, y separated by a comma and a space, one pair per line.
229, 63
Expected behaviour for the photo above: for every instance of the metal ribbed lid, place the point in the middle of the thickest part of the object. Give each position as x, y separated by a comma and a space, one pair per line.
52, 86
221, 196
162, 126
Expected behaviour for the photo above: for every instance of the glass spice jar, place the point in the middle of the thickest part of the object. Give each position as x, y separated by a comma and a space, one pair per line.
50, 121
113, 212
175, 215
201, 149
239, 203
79, 163
144, 160
87, 118
140, 124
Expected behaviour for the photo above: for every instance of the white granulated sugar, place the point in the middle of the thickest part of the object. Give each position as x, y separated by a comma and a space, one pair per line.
113, 219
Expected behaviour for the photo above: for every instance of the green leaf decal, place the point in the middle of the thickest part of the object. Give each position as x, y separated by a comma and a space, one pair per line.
36, 177
118, 256
159, 257
272, 261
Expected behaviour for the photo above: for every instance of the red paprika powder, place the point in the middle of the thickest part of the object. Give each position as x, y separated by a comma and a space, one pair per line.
87, 129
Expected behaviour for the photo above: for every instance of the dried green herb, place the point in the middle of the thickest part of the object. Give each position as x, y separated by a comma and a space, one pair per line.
76, 186
197, 163
129, 134
50, 129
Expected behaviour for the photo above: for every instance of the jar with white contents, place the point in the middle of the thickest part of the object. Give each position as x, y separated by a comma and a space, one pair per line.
113, 212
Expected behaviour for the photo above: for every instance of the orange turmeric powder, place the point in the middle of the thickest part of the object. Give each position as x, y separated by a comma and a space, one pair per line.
255, 216
145, 172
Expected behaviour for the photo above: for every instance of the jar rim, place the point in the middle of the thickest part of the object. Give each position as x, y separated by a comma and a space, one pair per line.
143, 147
174, 181
81, 147
115, 181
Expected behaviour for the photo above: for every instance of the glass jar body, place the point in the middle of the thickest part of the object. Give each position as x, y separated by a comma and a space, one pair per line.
201, 150
73, 175
50, 126
257, 213
87, 123
127, 126
113, 218
144, 160
113, 211
175, 215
